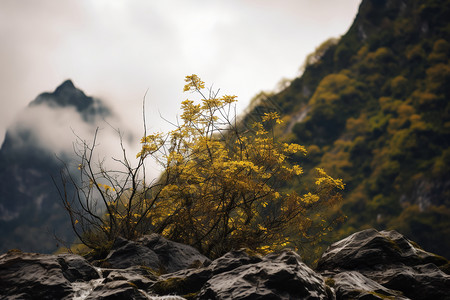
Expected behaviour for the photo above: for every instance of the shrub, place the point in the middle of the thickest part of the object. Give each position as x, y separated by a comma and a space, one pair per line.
222, 185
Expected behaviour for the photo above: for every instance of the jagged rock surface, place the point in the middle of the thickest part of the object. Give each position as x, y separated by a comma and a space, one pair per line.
366, 265
354, 285
155, 252
117, 289
389, 259
41, 276
369, 248
277, 276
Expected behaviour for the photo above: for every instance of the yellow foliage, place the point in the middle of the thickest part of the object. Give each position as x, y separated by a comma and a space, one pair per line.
331, 88
193, 83
221, 183
327, 180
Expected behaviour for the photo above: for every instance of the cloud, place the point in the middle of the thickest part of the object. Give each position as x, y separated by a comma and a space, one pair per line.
117, 49
57, 130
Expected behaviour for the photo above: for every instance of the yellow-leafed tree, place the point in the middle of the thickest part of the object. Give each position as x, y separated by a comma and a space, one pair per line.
222, 185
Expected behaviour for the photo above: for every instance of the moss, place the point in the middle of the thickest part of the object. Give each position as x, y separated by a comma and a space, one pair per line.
441, 259
445, 268
104, 264
162, 270
132, 284
174, 285
151, 273
381, 296
251, 253
178, 286
415, 244
196, 264
14, 251
190, 296
97, 254
330, 282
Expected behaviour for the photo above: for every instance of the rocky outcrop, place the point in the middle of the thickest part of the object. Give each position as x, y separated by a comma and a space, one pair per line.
388, 259
42, 276
238, 275
366, 265
155, 252
277, 276
370, 249
354, 285
192, 280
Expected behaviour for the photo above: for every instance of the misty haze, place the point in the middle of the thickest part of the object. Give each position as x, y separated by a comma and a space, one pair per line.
264, 149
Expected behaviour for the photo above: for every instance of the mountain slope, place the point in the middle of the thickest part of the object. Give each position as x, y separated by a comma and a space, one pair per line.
373, 108
30, 209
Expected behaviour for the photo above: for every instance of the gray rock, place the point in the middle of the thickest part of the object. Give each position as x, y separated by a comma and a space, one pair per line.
174, 256
172, 297
182, 282
391, 260
41, 276
119, 289
190, 281
75, 268
155, 252
354, 285
135, 275
417, 282
277, 276
131, 254
232, 260
238, 272
366, 265
370, 249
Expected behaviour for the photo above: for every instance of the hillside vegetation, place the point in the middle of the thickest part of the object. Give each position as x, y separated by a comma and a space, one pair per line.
373, 109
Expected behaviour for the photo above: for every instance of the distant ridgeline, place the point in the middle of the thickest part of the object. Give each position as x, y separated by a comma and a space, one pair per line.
373, 108
30, 208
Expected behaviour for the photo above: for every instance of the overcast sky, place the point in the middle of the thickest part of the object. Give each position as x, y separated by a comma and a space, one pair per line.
117, 49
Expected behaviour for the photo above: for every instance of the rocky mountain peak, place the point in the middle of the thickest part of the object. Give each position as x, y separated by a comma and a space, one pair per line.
66, 86
28, 197
65, 95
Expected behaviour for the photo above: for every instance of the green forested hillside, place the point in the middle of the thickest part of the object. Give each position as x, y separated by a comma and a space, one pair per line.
373, 108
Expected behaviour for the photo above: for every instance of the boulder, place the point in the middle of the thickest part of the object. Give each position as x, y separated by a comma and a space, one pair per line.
354, 285
76, 268
389, 259
190, 281
417, 282
116, 290
155, 252
369, 249
184, 282
233, 260
170, 297
41, 276
173, 256
138, 276
126, 254
366, 265
277, 276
